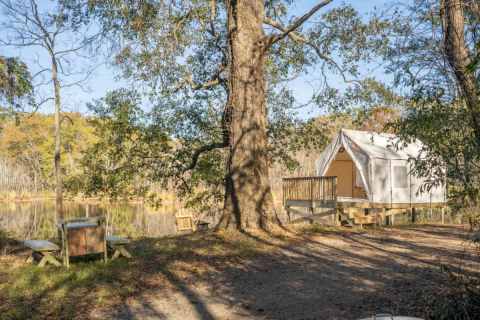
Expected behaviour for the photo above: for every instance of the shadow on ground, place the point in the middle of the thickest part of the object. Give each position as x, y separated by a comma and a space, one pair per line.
331, 275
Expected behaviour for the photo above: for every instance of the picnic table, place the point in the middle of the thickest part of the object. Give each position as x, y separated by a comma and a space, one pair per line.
78, 237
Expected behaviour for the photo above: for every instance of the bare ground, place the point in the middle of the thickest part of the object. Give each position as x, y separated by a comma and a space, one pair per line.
305, 274
326, 275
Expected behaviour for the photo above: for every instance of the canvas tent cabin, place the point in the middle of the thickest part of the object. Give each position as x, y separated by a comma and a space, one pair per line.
368, 171
370, 166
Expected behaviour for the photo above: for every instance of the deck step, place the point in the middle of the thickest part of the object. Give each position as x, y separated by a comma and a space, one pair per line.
365, 220
346, 221
351, 218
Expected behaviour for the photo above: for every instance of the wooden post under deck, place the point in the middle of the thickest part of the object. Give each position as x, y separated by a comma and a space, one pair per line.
414, 215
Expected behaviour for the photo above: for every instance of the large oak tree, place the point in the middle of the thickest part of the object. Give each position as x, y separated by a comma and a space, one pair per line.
216, 75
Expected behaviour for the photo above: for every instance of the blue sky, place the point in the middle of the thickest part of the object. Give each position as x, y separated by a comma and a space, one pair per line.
105, 77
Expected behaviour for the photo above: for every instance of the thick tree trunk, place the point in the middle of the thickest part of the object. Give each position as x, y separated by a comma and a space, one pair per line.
248, 198
459, 58
58, 170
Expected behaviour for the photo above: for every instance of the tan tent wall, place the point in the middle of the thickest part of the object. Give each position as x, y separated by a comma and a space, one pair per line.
344, 169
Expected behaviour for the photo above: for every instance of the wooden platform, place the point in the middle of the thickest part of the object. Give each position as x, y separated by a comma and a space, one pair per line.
320, 192
344, 202
358, 203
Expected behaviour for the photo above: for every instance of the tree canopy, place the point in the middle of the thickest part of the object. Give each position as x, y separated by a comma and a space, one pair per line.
437, 109
15, 84
183, 55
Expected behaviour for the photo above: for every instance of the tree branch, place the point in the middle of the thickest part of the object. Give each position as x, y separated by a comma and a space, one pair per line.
66, 117
49, 42
83, 45
213, 82
475, 8
209, 147
40, 72
205, 85
295, 36
44, 101
295, 25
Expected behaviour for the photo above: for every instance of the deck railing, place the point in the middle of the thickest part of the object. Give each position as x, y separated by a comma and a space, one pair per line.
312, 189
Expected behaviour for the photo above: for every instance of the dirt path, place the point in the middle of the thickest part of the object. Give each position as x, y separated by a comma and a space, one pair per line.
319, 276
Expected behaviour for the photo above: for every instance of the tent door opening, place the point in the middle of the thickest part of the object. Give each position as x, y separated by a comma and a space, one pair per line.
349, 183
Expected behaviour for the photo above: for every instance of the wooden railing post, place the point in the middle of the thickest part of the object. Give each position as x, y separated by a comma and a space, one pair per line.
311, 191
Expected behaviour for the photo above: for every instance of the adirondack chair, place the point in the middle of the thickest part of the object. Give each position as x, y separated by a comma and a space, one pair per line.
82, 237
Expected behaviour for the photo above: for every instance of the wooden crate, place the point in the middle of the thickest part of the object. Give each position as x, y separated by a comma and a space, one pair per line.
83, 236
86, 240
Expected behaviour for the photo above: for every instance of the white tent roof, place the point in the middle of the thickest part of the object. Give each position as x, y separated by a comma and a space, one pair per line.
364, 145
383, 145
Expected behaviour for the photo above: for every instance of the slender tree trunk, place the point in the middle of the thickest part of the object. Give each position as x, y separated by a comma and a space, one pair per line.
248, 198
58, 170
459, 58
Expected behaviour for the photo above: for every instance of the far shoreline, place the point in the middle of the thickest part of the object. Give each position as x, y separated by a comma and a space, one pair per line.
50, 197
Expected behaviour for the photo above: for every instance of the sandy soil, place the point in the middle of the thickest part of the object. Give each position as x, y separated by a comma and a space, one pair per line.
328, 275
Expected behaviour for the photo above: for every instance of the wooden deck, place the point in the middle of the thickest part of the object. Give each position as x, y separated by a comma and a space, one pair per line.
311, 192
321, 192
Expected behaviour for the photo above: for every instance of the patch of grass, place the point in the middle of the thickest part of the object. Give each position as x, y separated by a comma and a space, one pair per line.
30, 292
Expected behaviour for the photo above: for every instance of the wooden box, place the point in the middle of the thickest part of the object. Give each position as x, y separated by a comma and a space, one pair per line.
85, 239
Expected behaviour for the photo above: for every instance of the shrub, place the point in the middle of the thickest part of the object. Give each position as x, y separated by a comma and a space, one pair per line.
472, 215
459, 299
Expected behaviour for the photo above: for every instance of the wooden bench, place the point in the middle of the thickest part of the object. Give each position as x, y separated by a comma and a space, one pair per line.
118, 245
43, 248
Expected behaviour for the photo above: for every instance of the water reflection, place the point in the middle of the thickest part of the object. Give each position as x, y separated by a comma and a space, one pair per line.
37, 220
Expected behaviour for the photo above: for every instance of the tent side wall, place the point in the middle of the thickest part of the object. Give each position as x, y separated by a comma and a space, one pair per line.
434, 195
393, 184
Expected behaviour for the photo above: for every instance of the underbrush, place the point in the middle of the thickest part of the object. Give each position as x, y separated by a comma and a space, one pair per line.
459, 297
472, 215
7, 243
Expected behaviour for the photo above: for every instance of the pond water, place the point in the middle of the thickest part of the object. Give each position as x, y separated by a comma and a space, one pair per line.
37, 220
